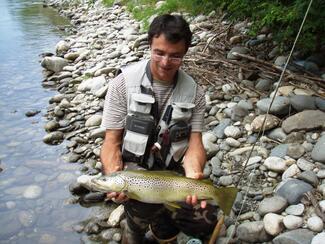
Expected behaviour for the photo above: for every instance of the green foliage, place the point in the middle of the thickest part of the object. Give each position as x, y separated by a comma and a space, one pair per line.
283, 17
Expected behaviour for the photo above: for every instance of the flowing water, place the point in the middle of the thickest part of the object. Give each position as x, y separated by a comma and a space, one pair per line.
34, 181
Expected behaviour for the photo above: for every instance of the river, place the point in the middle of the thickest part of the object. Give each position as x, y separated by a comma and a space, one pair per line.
34, 181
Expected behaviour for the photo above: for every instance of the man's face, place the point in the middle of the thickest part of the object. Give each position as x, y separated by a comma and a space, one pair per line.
166, 58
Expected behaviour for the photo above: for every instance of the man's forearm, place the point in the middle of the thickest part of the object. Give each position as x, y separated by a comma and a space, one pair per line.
110, 154
195, 157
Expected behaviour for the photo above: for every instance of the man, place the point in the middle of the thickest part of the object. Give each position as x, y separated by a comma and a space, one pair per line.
153, 116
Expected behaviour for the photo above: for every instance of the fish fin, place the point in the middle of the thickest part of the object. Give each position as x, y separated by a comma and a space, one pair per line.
132, 195
207, 181
225, 198
172, 206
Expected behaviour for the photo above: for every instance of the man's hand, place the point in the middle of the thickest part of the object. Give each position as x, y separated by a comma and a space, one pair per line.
193, 164
111, 159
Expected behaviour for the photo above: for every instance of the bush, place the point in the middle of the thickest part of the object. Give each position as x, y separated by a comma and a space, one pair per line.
283, 17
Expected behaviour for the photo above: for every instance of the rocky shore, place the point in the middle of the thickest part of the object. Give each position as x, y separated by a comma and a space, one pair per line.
282, 190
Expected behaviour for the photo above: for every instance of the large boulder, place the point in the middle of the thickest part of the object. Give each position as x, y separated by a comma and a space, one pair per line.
54, 64
306, 120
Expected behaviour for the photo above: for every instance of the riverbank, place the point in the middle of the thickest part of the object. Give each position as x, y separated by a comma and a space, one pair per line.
287, 161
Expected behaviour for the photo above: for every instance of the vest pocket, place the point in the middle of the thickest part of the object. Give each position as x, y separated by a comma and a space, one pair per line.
182, 111
135, 143
178, 149
141, 103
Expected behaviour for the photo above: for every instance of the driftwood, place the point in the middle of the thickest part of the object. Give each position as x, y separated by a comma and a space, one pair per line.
290, 76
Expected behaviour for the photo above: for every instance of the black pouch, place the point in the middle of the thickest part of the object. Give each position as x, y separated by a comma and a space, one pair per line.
138, 138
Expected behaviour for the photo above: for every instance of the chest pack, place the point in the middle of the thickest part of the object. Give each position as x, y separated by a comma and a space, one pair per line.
151, 139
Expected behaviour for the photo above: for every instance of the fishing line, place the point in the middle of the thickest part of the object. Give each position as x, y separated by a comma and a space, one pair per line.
261, 131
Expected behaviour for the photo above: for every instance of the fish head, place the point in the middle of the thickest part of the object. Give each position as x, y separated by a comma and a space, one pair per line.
109, 183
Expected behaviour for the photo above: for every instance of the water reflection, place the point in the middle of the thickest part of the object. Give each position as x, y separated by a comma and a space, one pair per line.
33, 185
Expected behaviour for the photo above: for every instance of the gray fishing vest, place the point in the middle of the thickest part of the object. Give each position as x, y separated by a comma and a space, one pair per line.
166, 139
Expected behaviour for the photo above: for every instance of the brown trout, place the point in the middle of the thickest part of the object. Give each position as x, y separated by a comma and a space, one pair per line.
164, 187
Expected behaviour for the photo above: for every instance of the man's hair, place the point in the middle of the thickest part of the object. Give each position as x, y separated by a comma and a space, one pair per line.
174, 27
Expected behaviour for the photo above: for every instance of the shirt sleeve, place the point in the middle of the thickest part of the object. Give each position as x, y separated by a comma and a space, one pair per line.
115, 105
198, 111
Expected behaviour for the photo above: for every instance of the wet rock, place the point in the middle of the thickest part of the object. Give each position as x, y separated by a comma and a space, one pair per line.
296, 210
9, 225
77, 189
51, 126
315, 224
47, 239
306, 120
26, 218
292, 222
54, 64
32, 192
302, 102
273, 223
61, 47
293, 190
299, 236
271, 122
274, 204
108, 234
93, 197
71, 157
318, 153
252, 232
53, 138
32, 113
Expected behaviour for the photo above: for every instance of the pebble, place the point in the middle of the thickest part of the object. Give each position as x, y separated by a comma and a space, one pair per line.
290, 172
32, 192
116, 216
275, 204
271, 122
275, 164
252, 232
319, 238
296, 210
232, 131
298, 236
273, 223
315, 224
292, 222
318, 153
305, 165
293, 190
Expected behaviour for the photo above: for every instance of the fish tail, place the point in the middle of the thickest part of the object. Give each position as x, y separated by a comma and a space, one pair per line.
225, 197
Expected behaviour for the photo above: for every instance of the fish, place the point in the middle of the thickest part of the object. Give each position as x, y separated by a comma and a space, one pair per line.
164, 187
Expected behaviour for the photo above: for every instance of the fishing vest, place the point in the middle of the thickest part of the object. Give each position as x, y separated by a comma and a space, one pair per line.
151, 138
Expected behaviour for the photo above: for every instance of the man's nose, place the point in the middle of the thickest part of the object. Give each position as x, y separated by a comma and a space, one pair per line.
165, 60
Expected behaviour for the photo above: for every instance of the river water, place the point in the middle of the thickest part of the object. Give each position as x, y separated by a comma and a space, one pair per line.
43, 215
